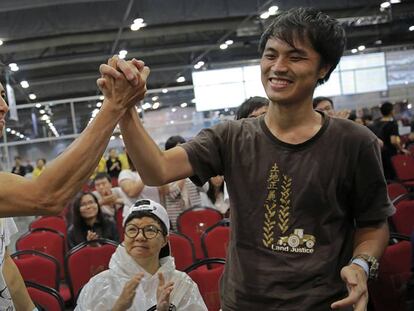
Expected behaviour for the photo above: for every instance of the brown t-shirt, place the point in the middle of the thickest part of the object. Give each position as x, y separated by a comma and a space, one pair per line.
293, 208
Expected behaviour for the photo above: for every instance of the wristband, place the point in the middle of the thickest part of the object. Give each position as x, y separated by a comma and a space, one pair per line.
362, 263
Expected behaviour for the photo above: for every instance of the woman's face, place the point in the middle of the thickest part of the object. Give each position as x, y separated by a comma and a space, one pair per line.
88, 207
140, 247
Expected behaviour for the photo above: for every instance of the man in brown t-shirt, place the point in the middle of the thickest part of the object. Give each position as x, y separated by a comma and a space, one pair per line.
307, 192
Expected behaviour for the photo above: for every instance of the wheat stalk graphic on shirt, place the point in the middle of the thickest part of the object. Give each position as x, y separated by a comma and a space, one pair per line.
273, 214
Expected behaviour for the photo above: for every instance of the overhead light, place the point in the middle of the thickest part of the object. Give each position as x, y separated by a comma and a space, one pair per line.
13, 67
172, 122
122, 54
193, 100
48, 121
38, 105
13, 132
154, 98
98, 104
101, 97
229, 42
353, 51
411, 28
32, 96
24, 84
146, 106
409, 106
138, 21
181, 79
361, 47
112, 137
156, 105
199, 65
95, 112
378, 42
42, 111
173, 109
21, 136
395, 1
135, 27
183, 105
185, 116
138, 24
223, 46
1, 42
385, 5
273, 9
265, 15
164, 91
8, 129
44, 117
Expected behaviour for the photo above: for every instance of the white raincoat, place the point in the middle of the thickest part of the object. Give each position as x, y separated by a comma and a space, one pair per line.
103, 289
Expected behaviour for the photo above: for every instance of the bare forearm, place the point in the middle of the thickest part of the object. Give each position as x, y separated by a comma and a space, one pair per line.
371, 240
15, 283
144, 153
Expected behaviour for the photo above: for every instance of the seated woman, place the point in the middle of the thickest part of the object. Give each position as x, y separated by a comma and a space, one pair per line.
89, 223
142, 273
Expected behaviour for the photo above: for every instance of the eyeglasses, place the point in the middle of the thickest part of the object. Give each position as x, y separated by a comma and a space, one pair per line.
149, 232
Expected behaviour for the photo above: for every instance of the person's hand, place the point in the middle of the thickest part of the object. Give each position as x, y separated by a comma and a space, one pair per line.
163, 293
355, 279
405, 151
109, 199
91, 236
124, 301
123, 83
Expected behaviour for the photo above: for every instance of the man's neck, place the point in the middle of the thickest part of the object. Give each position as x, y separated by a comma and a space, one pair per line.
293, 124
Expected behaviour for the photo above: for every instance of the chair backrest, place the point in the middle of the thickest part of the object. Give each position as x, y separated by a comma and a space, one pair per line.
182, 250
44, 240
45, 296
86, 260
403, 166
396, 189
38, 267
208, 280
50, 222
389, 291
403, 218
215, 240
194, 221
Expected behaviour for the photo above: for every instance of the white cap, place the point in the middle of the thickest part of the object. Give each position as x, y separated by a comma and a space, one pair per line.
152, 207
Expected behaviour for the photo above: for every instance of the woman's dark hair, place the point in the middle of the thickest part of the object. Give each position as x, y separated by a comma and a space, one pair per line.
325, 34
320, 99
174, 141
142, 214
78, 221
211, 192
250, 105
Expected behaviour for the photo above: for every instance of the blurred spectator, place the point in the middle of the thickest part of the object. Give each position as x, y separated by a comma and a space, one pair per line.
124, 160
110, 198
89, 223
179, 195
18, 167
326, 105
29, 167
144, 257
113, 165
133, 187
386, 129
216, 194
40, 166
252, 107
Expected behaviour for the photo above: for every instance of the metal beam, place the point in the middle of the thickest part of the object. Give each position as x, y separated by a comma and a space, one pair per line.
13, 5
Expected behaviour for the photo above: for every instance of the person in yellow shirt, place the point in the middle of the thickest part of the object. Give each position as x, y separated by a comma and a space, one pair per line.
124, 160
40, 166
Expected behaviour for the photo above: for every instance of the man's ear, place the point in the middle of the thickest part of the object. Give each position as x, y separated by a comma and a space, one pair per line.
323, 70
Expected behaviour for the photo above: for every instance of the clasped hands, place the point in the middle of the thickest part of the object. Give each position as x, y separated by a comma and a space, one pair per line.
122, 82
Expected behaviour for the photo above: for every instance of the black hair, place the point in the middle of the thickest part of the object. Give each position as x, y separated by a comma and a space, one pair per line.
211, 192
174, 141
250, 105
320, 99
142, 214
102, 175
325, 34
386, 108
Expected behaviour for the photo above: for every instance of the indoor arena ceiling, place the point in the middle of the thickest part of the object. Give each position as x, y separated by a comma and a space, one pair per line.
59, 44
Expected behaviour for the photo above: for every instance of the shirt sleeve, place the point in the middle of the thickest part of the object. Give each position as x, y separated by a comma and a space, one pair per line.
206, 153
370, 202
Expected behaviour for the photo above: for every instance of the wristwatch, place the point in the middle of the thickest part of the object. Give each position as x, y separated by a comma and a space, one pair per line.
371, 262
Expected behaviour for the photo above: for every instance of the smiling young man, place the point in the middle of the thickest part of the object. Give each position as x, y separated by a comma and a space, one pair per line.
307, 192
